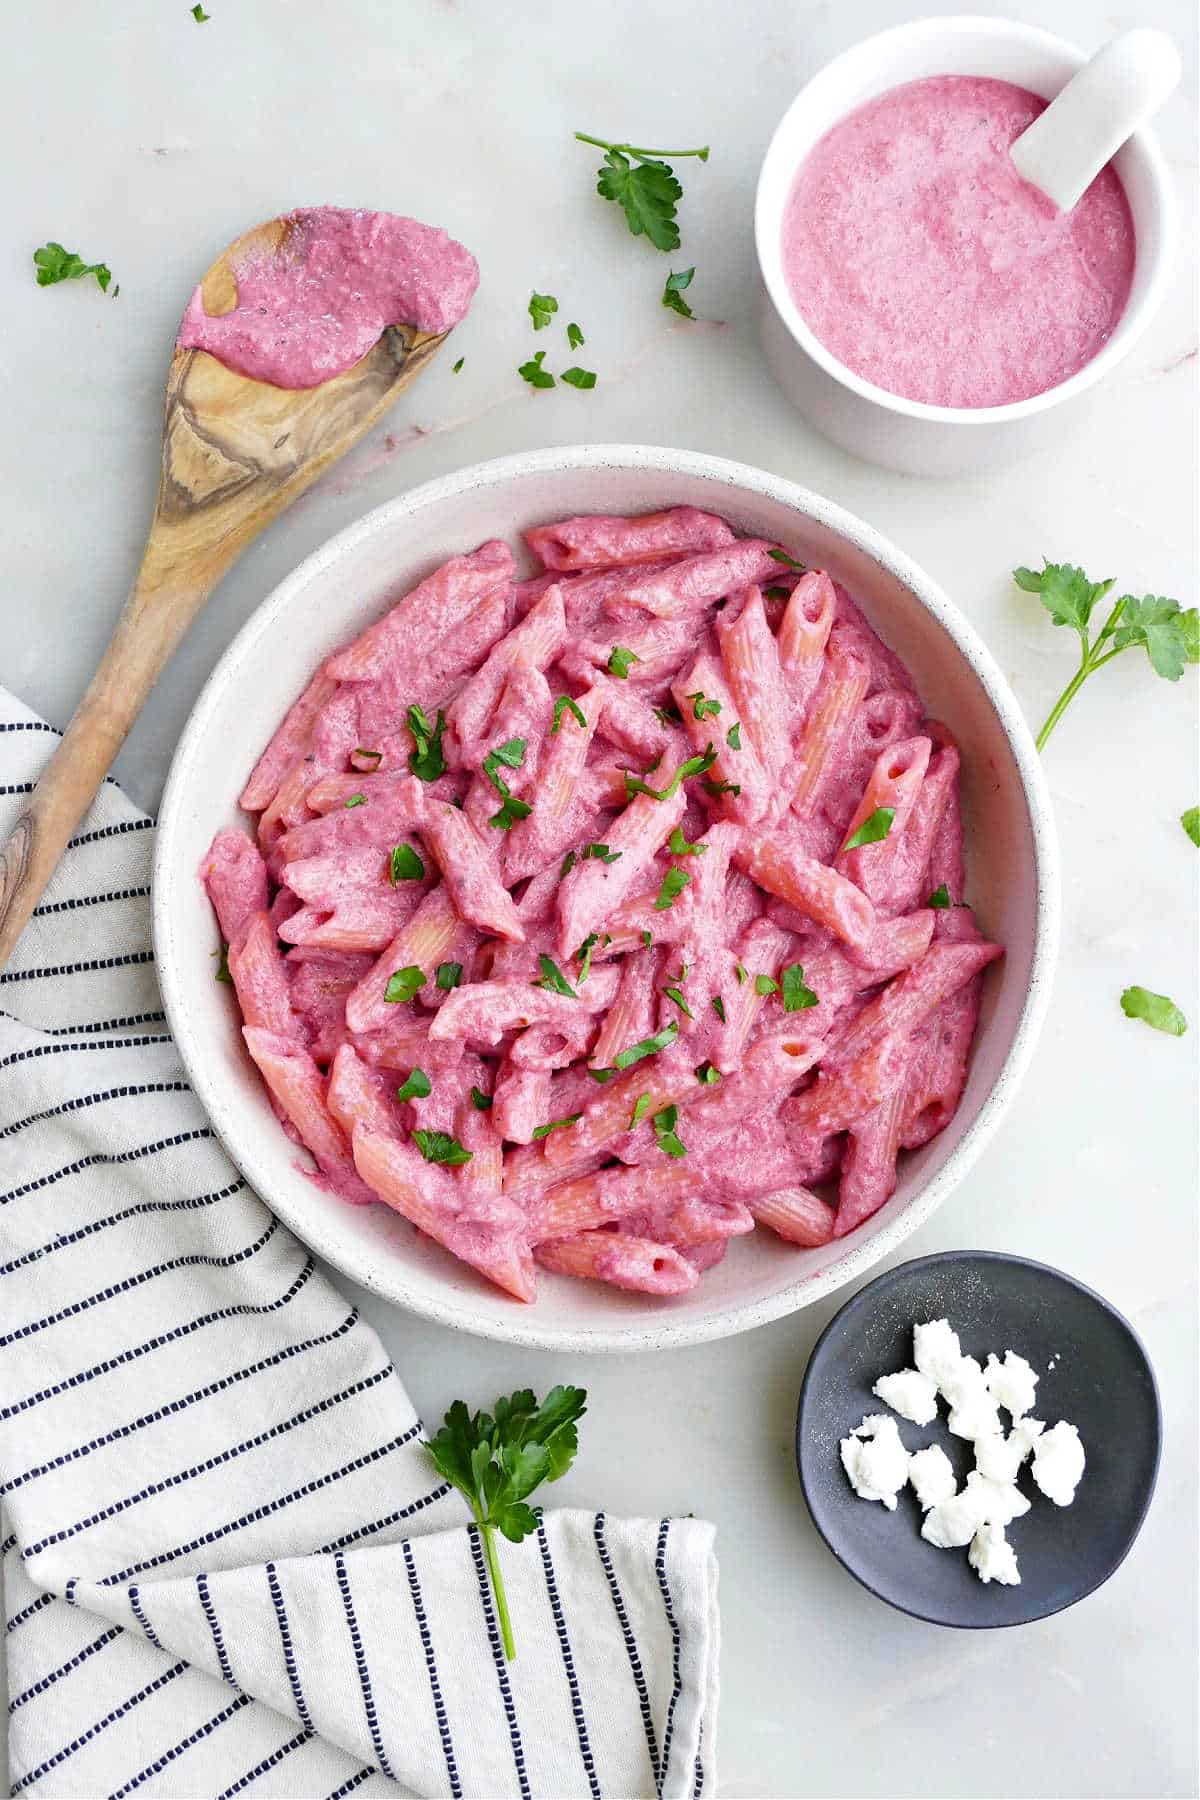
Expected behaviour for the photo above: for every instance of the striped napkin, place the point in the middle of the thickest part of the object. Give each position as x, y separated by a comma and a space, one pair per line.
229, 1566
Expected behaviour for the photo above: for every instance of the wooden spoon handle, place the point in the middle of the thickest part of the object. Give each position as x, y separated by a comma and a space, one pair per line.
155, 617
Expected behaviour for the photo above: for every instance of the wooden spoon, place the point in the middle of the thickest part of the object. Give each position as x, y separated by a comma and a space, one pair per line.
235, 453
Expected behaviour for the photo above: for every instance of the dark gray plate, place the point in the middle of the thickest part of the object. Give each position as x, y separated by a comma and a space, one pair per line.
1101, 1381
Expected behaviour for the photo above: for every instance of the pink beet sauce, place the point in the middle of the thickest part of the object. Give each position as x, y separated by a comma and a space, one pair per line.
921, 259
343, 276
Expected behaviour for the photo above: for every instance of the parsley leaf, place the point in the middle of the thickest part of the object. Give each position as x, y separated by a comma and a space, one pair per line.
455, 368
765, 984
733, 737
672, 294
641, 1107
1169, 636
584, 955
602, 1075
775, 593
496, 1463
405, 865
449, 975
403, 984
873, 829
427, 761
553, 978
222, 956
375, 756
579, 378
678, 845
644, 186
707, 1076
781, 556
718, 1006
1154, 1009
668, 715
743, 975
703, 707
673, 884
533, 372
647, 941
619, 661
511, 754
543, 1131
664, 1132
417, 1087
568, 863
574, 337
1190, 820
440, 1147
717, 788
356, 800
940, 898
53, 264
481, 1102
695, 765
602, 853
199, 14
565, 704
650, 1046
512, 810
542, 308
797, 997
675, 994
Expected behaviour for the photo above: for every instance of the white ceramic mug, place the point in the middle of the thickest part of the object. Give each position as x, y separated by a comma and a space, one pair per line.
868, 420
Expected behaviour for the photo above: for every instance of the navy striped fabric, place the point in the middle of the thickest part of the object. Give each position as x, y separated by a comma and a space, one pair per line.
228, 1564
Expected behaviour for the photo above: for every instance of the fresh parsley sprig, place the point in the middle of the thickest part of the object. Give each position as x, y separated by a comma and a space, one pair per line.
1169, 636
53, 264
644, 185
497, 1461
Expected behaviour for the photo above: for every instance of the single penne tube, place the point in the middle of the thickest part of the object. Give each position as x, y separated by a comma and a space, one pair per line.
476, 1131
628, 720
298, 1089
600, 540
427, 614
333, 735
894, 945
527, 1173
908, 865
752, 668
487, 1232
935, 1085
593, 888
812, 887
469, 874
691, 585
894, 784
431, 681
394, 794
802, 636
485, 1010
623, 1261
525, 710
235, 879
795, 1214
288, 744
762, 950
868, 1176
423, 942
908, 1001
657, 647
689, 1221
521, 1103
378, 821
630, 1018
842, 687
592, 1200
551, 828
260, 978
837, 1099
696, 693
356, 1094
536, 641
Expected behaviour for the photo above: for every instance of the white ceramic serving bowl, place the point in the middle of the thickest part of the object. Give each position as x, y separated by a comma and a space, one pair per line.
341, 588
868, 420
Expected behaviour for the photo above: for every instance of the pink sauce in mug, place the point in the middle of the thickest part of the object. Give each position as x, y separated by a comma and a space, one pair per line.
311, 310
920, 258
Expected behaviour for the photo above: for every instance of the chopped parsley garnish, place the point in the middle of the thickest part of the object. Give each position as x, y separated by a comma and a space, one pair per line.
940, 898
403, 984
668, 715
1190, 820
512, 810
602, 853
543, 1131
665, 1134
579, 378
542, 308
533, 372
455, 368
405, 865
574, 336
650, 1046
647, 940
675, 994
583, 955
440, 1147
1153, 1009
374, 756
568, 863
678, 845
643, 185
512, 754
718, 1006
222, 956
695, 765
619, 661
426, 761
480, 1101
872, 830
765, 984
553, 978
53, 264
743, 975
672, 294
733, 737
449, 975
717, 788
783, 557
641, 1107
565, 704
417, 1087
703, 707
707, 1076
602, 1075
796, 996
199, 14
356, 800
673, 884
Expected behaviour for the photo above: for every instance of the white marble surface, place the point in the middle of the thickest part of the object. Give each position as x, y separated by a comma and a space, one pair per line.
135, 135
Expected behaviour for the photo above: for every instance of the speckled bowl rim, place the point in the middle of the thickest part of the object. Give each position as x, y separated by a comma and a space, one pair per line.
934, 1259
665, 1331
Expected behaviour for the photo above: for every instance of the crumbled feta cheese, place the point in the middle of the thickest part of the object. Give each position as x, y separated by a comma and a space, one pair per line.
1058, 1462
936, 1351
997, 1502
911, 1394
875, 1460
1026, 1432
952, 1523
932, 1476
1011, 1383
999, 1458
992, 1556
973, 1412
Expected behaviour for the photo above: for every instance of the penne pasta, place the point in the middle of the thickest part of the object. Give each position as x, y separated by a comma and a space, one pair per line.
690, 586
842, 687
598, 540
796, 1214
428, 614
625, 1262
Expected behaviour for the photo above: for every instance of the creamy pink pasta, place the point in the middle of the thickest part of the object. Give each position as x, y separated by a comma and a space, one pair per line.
593, 917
